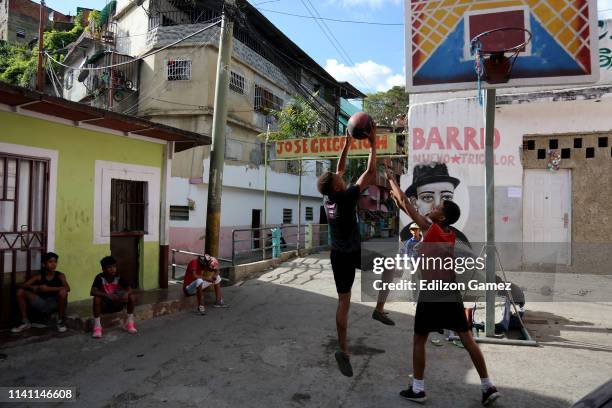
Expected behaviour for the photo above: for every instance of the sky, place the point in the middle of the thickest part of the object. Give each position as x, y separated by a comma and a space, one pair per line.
371, 57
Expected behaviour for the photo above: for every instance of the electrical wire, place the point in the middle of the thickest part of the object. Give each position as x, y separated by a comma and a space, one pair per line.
314, 103
331, 19
345, 55
138, 58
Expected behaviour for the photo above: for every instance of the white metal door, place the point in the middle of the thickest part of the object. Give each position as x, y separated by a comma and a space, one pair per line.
547, 216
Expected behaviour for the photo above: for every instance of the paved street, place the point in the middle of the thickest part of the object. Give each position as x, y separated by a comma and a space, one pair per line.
274, 348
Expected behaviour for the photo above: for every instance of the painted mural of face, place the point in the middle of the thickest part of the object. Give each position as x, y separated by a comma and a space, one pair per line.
431, 195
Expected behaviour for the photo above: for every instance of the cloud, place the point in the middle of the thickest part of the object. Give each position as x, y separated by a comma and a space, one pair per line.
365, 75
375, 4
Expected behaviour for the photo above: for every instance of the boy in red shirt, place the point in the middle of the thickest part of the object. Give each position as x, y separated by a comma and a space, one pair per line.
111, 294
198, 277
438, 310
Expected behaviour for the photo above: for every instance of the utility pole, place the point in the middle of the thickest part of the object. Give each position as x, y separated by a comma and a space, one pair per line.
40, 75
217, 151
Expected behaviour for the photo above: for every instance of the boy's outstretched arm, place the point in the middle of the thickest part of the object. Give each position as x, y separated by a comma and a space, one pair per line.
405, 205
369, 176
341, 168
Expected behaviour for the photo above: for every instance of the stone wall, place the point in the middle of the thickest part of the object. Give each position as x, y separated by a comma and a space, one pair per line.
589, 157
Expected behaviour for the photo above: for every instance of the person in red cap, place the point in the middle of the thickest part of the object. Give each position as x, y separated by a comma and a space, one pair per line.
200, 274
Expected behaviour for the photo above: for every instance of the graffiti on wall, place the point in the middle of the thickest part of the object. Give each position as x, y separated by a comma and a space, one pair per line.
455, 145
605, 44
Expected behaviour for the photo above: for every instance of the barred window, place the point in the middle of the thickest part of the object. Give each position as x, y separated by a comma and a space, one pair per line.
20, 33
179, 213
293, 167
319, 169
266, 100
309, 214
287, 215
178, 70
237, 83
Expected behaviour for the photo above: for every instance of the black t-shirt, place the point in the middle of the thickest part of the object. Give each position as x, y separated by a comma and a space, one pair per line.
110, 286
341, 210
54, 282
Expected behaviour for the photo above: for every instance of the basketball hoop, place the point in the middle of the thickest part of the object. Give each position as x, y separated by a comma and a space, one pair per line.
495, 65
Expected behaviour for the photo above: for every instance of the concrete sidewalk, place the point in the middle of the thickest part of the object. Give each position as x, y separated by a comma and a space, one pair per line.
274, 347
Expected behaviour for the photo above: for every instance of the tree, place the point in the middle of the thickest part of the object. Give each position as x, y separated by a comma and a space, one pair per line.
296, 120
18, 63
386, 108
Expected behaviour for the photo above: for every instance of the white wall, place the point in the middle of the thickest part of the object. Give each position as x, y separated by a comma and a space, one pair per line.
242, 192
512, 123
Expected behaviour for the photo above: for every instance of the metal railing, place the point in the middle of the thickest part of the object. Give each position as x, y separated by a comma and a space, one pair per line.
261, 243
180, 251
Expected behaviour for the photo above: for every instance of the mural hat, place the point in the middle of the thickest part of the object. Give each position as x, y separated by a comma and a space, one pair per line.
429, 173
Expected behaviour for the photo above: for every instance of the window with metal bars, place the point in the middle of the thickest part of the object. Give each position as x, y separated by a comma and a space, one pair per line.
178, 69
237, 83
309, 214
265, 100
319, 169
287, 215
179, 213
128, 206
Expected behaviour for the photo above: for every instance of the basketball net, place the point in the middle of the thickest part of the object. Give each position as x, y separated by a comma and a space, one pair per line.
476, 51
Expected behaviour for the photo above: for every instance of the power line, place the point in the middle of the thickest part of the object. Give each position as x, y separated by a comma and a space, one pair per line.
346, 57
330, 19
138, 58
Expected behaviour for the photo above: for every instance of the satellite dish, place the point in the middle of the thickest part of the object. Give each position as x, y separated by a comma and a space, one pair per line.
83, 75
139, 2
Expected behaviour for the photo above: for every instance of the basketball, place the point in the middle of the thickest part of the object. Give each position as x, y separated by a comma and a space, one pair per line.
360, 125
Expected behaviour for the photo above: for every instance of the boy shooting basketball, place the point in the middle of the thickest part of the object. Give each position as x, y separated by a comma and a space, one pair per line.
341, 210
438, 310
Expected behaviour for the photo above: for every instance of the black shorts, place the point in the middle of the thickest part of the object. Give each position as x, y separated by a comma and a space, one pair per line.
344, 265
108, 306
435, 315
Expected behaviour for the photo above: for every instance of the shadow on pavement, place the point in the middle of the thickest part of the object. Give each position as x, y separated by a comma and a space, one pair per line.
272, 348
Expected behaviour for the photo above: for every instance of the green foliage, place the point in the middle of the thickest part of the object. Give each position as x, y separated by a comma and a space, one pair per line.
18, 63
386, 107
296, 120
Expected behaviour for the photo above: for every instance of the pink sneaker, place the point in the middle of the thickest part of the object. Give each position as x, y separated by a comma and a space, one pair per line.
131, 328
97, 332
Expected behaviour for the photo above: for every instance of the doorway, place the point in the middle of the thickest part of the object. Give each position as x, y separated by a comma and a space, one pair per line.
547, 217
128, 226
24, 190
256, 223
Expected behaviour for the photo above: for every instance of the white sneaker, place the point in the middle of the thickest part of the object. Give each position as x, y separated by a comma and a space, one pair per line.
61, 326
202, 310
24, 326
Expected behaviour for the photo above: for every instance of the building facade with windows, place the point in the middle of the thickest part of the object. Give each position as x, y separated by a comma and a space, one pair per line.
176, 87
19, 20
71, 183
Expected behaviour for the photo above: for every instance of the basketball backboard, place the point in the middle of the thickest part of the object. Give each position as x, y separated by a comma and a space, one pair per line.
563, 49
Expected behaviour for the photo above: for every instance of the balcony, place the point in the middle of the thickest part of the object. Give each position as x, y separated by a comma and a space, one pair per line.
123, 79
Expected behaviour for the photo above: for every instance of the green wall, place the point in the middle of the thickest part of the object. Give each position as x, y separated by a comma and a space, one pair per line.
78, 150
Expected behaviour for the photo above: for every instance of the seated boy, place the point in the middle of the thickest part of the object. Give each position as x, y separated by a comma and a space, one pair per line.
198, 277
46, 292
111, 294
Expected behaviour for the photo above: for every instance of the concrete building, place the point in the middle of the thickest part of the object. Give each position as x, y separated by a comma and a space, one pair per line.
70, 182
547, 213
19, 20
176, 87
